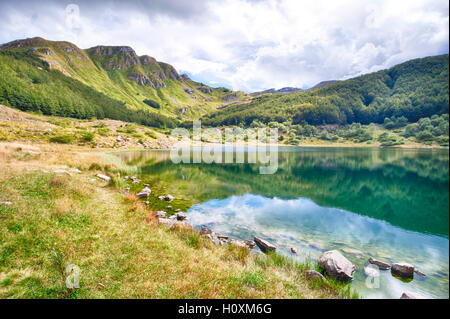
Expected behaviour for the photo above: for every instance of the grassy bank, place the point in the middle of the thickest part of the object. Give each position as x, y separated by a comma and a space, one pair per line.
57, 219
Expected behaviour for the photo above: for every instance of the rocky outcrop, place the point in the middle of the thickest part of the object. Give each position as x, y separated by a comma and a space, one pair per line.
264, 245
403, 270
336, 265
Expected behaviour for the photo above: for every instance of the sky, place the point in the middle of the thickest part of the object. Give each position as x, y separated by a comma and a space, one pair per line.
242, 44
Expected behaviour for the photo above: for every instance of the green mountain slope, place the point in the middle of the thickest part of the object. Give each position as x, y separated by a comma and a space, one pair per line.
415, 89
62, 76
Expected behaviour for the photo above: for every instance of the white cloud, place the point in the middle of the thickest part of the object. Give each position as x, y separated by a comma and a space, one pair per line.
249, 45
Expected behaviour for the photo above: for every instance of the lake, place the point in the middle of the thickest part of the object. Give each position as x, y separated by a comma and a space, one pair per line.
389, 204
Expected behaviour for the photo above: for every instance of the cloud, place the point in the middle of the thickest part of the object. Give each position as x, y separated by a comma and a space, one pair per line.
246, 45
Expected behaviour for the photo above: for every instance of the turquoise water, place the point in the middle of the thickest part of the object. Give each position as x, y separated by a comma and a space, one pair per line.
391, 204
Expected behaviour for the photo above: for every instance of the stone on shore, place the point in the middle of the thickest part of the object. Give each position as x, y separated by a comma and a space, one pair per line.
411, 295
403, 270
160, 213
380, 264
181, 216
336, 265
250, 243
314, 275
293, 250
104, 177
144, 193
264, 245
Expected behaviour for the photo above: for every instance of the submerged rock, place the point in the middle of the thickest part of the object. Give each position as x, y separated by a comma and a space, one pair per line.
418, 272
371, 271
293, 250
264, 245
336, 265
380, 264
403, 270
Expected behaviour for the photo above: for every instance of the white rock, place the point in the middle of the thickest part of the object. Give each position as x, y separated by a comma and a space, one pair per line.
104, 177
411, 295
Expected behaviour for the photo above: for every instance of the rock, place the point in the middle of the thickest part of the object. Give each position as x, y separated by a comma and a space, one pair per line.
119, 138
160, 213
61, 171
125, 178
177, 210
169, 207
144, 193
147, 203
161, 197
181, 216
166, 221
418, 272
104, 177
238, 243
147, 185
169, 198
264, 245
381, 265
293, 250
118, 175
205, 231
5, 203
371, 271
225, 237
75, 170
250, 243
403, 270
411, 295
314, 275
352, 251
336, 265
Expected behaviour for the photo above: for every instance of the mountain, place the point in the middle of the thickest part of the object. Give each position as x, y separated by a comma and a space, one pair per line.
415, 89
285, 90
57, 77
322, 84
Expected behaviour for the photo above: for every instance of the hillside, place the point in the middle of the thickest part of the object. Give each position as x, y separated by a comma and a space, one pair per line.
58, 78
415, 89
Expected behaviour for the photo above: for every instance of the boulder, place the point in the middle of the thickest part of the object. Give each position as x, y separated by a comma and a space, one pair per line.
411, 295
403, 270
104, 177
380, 264
314, 275
336, 265
144, 193
181, 216
264, 245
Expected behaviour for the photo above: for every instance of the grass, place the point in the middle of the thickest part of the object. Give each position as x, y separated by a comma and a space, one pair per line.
57, 220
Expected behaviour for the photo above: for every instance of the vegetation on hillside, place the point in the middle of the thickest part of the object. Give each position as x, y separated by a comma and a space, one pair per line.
413, 90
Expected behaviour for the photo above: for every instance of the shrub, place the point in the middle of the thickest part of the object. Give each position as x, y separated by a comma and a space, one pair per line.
87, 136
62, 139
